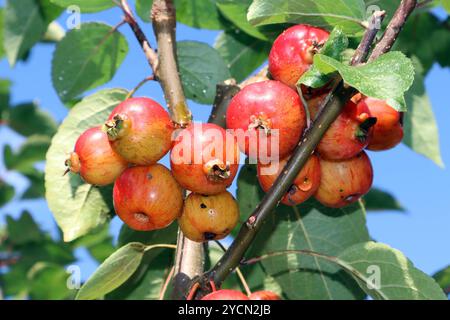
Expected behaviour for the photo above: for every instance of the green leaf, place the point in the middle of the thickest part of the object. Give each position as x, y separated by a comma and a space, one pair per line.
309, 226
248, 192
76, 206
386, 78
321, 13
335, 47
6, 193
201, 14
5, 86
50, 11
14, 282
98, 242
87, 58
23, 230
29, 119
398, 278
30, 152
236, 12
136, 285
36, 189
242, 54
201, 68
23, 28
419, 123
86, 6
379, 200
427, 32
2, 48
143, 9
113, 272
153, 275
48, 281
166, 235
443, 278
446, 5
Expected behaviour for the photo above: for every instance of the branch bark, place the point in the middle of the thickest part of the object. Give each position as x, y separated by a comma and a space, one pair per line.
150, 54
331, 108
369, 36
164, 26
394, 28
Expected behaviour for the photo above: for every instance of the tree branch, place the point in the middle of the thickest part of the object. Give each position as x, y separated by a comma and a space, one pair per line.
150, 54
402, 13
189, 263
331, 108
225, 91
164, 26
369, 36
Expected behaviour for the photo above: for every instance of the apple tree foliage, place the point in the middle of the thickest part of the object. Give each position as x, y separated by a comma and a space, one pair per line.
33, 263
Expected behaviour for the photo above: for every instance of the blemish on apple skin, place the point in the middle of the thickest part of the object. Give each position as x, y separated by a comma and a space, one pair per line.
141, 217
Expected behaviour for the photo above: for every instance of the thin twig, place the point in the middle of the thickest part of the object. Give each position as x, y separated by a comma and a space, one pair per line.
150, 54
243, 281
138, 86
368, 38
163, 291
394, 27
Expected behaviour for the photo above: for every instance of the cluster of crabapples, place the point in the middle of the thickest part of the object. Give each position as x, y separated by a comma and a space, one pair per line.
204, 158
148, 196
339, 172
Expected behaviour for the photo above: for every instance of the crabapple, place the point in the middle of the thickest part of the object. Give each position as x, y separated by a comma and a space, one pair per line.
345, 181
140, 130
207, 218
225, 294
388, 131
293, 52
349, 134
204, 158
94, 159
264, 295
147, 197
271, 118
304, 186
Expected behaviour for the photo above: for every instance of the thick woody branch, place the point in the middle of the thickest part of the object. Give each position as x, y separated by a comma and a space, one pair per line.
394, 28
164, 26
189, 263
331, 108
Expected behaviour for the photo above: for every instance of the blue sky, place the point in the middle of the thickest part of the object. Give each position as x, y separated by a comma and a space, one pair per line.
422, 187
